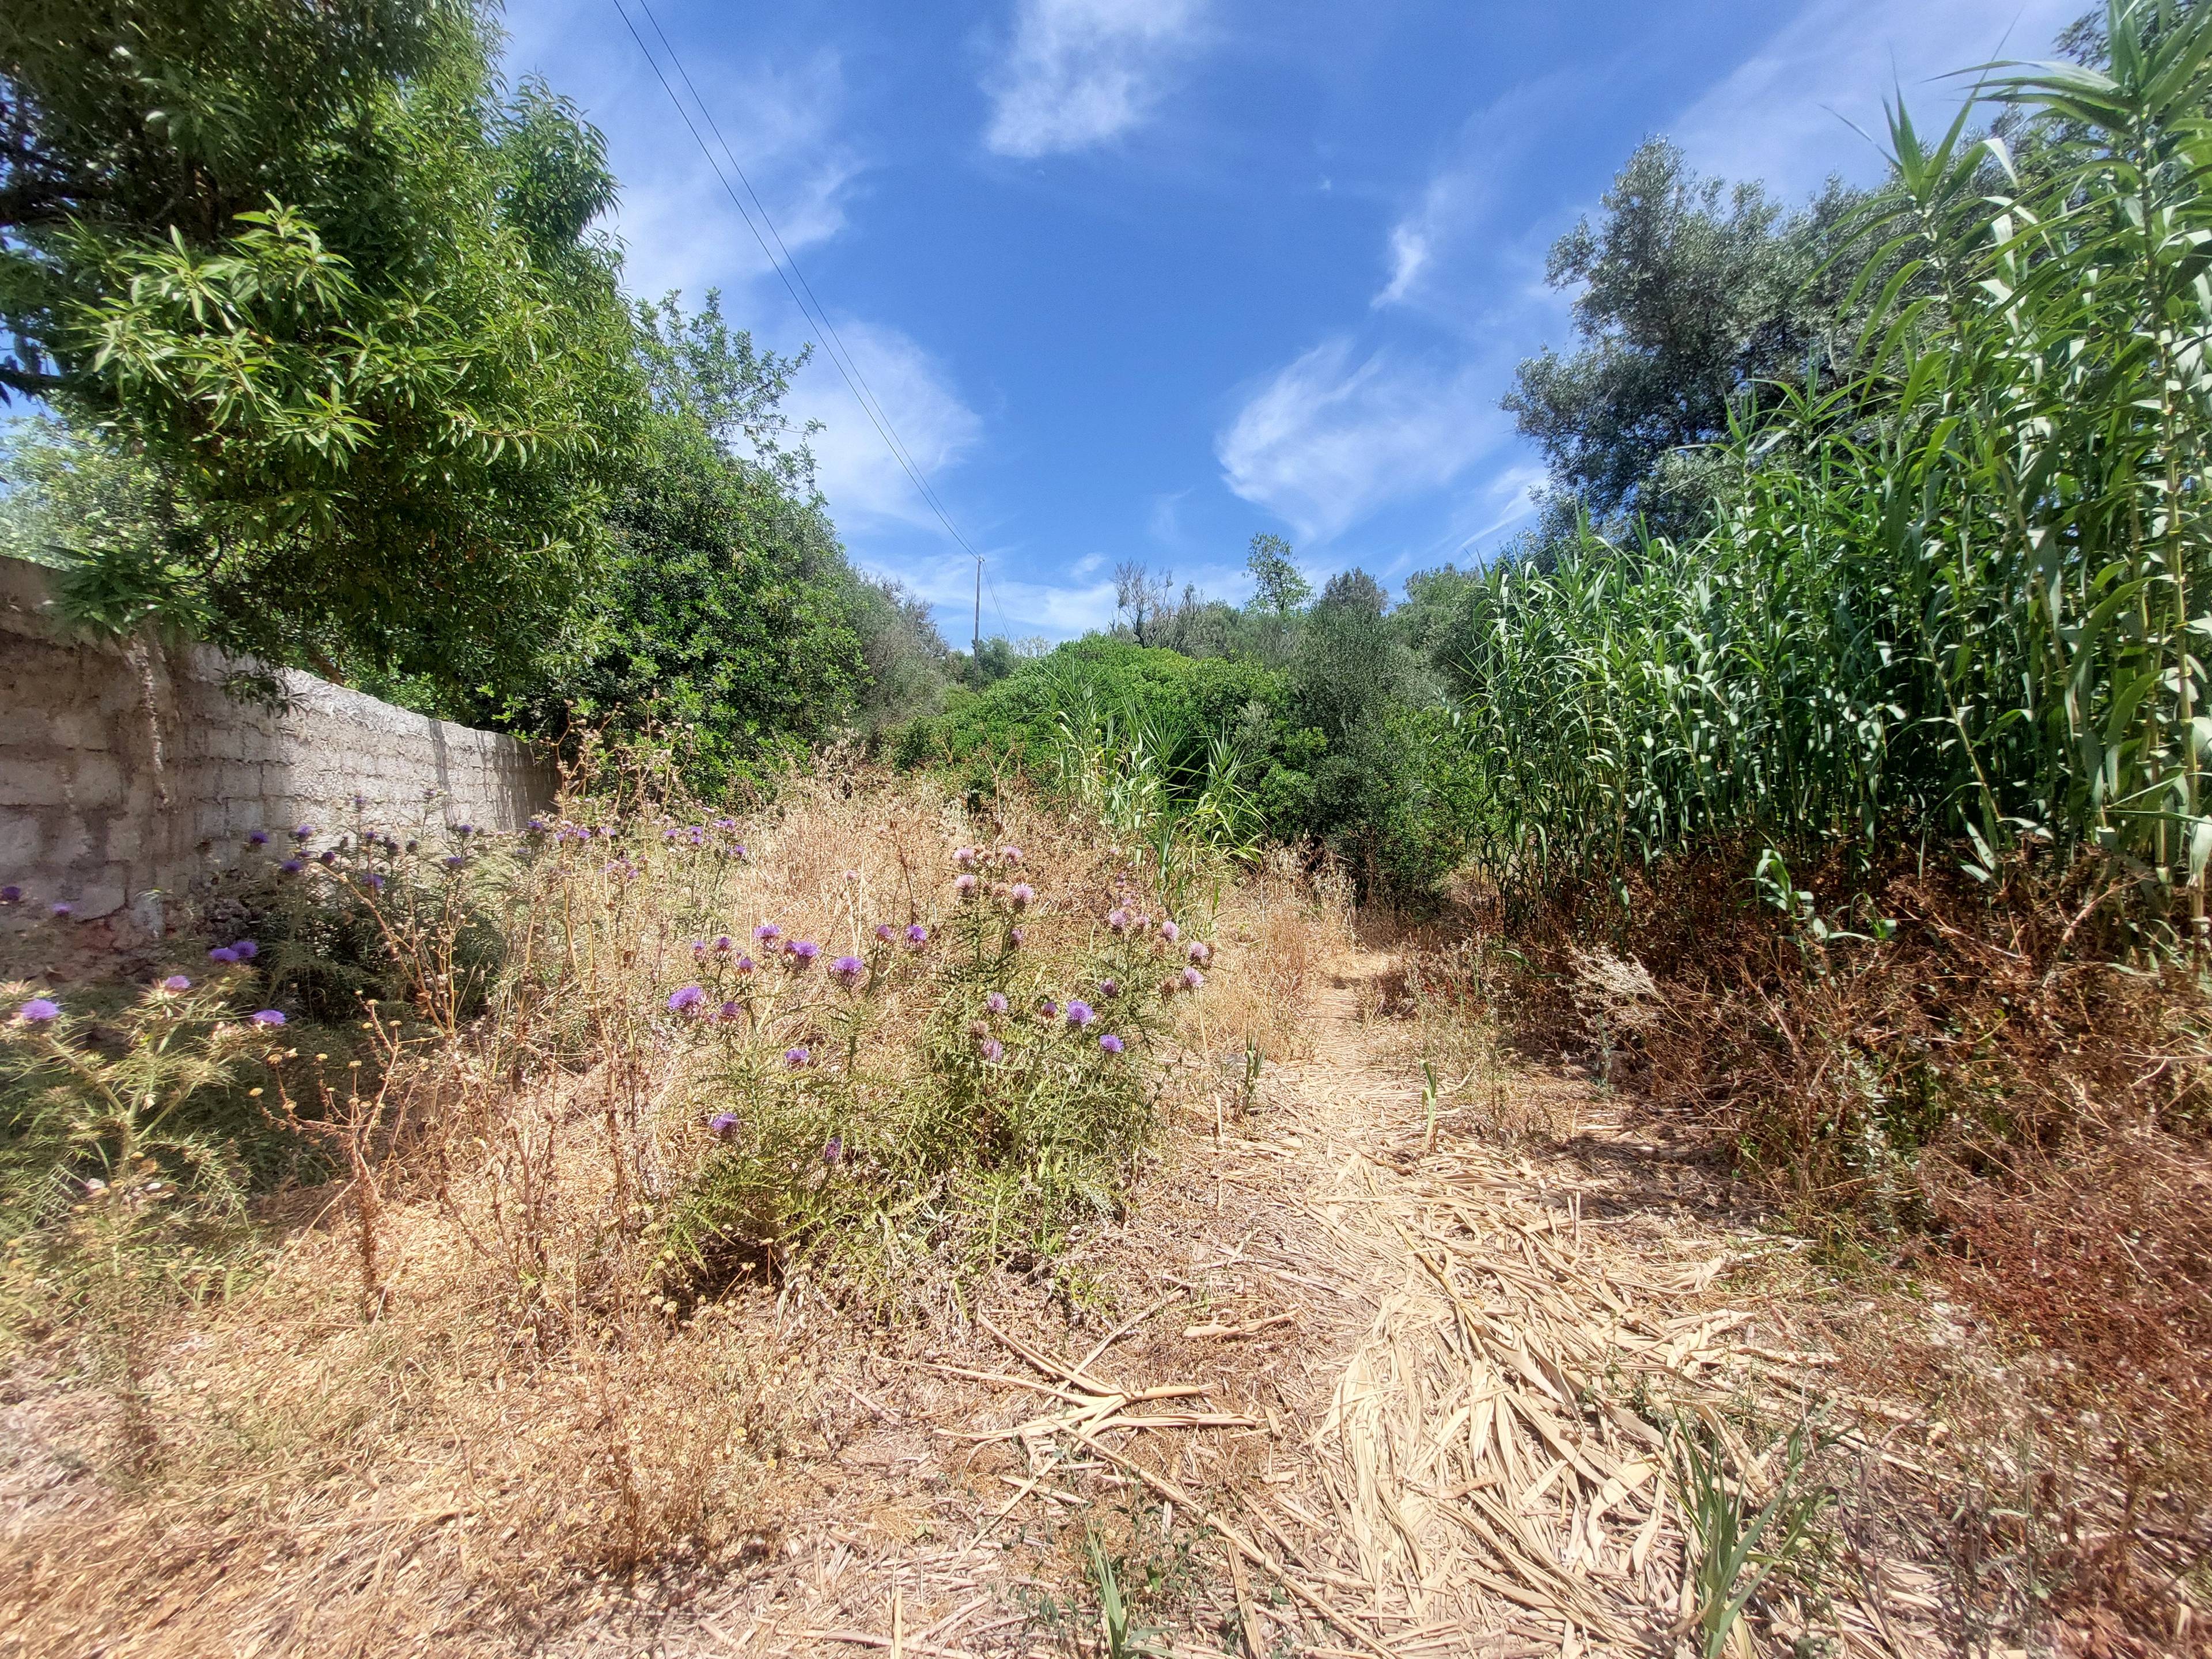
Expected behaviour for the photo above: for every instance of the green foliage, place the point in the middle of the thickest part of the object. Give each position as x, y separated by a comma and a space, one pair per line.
350, 384
1279, 585
364, 343
352, 474
136, 117
1015, 1121
1017, 718
1955, 595
1692, 296
726, 615
111, 1123
1737, 1548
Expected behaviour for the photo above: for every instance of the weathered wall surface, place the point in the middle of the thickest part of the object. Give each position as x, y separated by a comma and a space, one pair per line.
127, 772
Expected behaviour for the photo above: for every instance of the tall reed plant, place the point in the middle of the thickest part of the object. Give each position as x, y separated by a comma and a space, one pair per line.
1955, 595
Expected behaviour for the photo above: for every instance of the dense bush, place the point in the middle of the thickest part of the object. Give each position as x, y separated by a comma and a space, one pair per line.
347, 381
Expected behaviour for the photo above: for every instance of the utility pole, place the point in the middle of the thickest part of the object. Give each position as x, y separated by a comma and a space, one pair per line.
976, 644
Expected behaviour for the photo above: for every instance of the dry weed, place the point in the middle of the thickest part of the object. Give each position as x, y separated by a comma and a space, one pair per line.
465, 1390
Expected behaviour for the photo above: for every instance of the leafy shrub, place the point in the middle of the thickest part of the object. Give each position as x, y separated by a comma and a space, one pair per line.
1005, 1089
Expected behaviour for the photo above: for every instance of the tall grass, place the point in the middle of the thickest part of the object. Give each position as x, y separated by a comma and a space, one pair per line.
1184, 804
1956, 594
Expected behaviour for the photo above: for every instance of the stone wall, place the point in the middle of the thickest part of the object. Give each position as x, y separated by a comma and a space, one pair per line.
127, 771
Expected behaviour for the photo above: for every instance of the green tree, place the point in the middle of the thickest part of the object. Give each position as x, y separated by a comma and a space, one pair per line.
1278, 583
1692, 294
360, 330
725, 612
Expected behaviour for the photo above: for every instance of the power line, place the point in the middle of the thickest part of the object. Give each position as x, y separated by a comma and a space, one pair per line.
820, 314
848, 370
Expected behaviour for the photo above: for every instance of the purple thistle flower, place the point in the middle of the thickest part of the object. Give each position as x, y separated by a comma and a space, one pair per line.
848, 970
965, 885
535, 826
1143, 923
11, 894
686, 1001
62, 910
269, 1016
223, 954
964, 856
1014, 937
1109, 989
853, 876
800, 954
885, 933
1111, 1044
768, 932
996, 1002
247, 949
744, 964
1200, 952
722, 945
1191, 979
993, 1051
739, 854
1169, 931
1011, 855
176, 982
1021, 895
360, 801
38, 1011
303, 832
330, 858
258, 838
729, 1013
699, 948
1118, 920
291, 867
797, 1059
1048, 1009
454, 860
1081, 1014
834, 1151
916, 934
375, 882
722, 1125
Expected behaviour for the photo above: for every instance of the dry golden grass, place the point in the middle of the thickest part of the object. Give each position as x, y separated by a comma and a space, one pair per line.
515, 1416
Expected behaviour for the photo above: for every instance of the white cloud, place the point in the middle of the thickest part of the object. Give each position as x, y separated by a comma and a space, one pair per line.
1781, 114
1450, 258
782, 119
1081, 72
1165, 521
1409, 256
678, 225
1329, 440
864, 484
1012, 606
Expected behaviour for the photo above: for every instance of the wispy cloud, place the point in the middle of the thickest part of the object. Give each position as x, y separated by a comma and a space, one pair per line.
678, 223
1012, 606
1334, 437
1781, 114
1082, 72
864, 484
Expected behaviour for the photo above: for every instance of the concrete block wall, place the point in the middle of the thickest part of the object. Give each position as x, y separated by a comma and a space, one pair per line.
127, 772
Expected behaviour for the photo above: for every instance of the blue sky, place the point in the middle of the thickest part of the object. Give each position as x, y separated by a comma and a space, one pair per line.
1134, 279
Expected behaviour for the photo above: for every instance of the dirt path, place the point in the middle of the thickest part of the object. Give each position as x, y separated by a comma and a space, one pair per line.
1372, 1385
